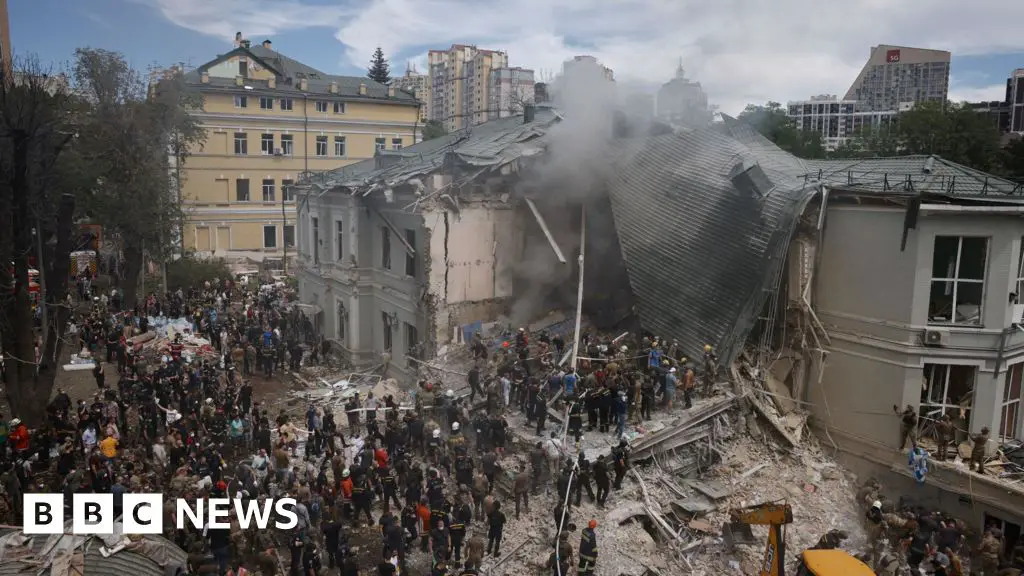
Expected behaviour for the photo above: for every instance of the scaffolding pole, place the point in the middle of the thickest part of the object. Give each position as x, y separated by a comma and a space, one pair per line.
579, 290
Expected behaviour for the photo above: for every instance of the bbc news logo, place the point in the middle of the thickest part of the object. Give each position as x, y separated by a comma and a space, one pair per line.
144, 513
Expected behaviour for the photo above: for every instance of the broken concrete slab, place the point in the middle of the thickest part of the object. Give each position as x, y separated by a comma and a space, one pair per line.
626, 512
696, 505
713, 490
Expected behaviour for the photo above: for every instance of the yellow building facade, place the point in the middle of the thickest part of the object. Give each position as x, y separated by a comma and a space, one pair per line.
268, 119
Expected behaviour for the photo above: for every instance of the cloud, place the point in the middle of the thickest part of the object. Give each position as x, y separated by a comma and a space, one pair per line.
978, 94
740, 50
222, 18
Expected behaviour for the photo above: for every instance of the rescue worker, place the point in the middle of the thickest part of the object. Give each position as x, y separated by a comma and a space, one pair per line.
978, 451
576, 421
620, 456
989, 550
908, 425
601, 480
462, 515
475, 549
943, 434
588, 550
521, 490
583, 479
496, 526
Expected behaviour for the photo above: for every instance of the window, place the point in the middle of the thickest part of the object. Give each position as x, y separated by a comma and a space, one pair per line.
270, 236
339, 146
386, 322
341, 318
385, 248
243, 68
321, 106
315, 225
1020, 274
241, 101
410, 259
412, 344
266, 103
267, 144
287, 194
286, 144
396, 143
958, 280
339, 107
339, 240
949, 390
289, 235
321, 145
242, 190
268, 190
286, 104
241, 143
380, 143
1009, 419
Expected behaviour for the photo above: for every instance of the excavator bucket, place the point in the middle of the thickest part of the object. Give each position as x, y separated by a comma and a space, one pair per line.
737, 533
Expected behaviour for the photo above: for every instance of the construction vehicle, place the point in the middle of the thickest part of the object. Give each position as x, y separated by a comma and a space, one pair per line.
776, 515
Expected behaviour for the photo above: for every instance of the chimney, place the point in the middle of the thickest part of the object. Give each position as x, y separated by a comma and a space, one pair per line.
246, 44
334, 88
267, 44
272, 82
238, 39
303, 84
362, 89
204, 77
528, 113
239, 80
391, 91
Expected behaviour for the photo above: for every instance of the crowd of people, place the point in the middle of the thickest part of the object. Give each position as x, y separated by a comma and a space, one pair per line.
181, 416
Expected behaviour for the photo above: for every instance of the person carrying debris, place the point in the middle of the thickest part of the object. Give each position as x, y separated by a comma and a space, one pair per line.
978, 451
588, 550
908, 425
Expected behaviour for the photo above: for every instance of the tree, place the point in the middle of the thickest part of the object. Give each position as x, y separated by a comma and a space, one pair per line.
771, 121
433, 129
131, 131
38, 116
380, 70
1011, 159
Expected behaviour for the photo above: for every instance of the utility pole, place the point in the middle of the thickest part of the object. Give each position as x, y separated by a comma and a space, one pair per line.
284, 236
579, 290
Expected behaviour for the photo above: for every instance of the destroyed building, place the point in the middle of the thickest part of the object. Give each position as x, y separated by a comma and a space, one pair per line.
902, 290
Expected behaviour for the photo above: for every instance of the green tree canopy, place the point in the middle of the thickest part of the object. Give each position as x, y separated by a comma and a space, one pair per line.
380, 70
433, 129
771, 121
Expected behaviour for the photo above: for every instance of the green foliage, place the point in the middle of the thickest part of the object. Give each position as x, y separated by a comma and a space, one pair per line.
380, 70
771, 121
1011, 160
190, 271
433, 129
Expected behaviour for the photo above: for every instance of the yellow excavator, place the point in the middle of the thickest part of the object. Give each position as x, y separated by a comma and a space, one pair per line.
776, 515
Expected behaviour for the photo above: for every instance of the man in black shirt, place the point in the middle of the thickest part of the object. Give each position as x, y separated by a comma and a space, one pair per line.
496, 525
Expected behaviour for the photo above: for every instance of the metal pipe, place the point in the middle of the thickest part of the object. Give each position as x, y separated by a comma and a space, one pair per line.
544, 228
579, 290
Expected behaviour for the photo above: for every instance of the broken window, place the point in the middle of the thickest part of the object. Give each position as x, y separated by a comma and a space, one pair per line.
958, 280
341, 316
412, 343
1009, 416
386, 321
410, 259
949, 390
385, 248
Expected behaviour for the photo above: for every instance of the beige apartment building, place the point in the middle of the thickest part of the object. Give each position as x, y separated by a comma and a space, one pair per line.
268, 119
416, 84
460, 84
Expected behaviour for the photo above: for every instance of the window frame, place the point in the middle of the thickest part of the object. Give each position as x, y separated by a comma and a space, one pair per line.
271, 187
389, 340
941, 374
396, 144
380, 144
385, 248
266, 103
287, 192
955, 281
314, 228
1012, 404
340, 319
321, 140
321, 106
339, 107
284, 239
265, 228
285, 104
241, 101
412, 341
339, 241
248, 190
241, 143
343, 142
264, 149
410, 259
287, 144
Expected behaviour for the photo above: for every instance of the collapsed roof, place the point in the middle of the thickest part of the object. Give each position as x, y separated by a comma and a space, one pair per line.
109, 555
704, 217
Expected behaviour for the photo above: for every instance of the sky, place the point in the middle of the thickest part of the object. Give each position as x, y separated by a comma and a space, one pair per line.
742, 51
